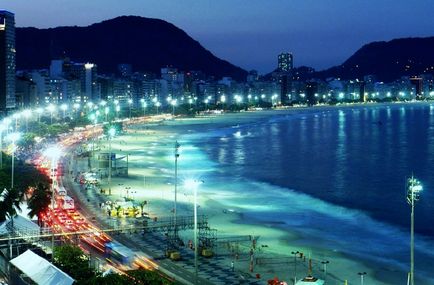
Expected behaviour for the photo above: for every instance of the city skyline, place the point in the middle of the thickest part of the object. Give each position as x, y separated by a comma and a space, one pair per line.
320, 35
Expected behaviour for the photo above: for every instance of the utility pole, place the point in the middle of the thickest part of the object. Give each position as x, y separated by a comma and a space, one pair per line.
177, 145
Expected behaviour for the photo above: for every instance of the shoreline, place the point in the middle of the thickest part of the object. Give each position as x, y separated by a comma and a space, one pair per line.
170, 130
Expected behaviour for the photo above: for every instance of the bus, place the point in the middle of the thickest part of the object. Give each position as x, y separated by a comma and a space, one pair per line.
117, 252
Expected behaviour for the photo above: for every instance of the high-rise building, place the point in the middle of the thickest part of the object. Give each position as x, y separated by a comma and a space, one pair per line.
7, 61
285, 62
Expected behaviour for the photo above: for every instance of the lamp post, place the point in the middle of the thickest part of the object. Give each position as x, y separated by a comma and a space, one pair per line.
54, 153
111, 133
75, 107
194, 184
324, 263
106, 112
2, 128
362, 275
51, 109
127, 189
39, 111
64, 107
27, 113
414, 187
118, 108
130, 102
173, 103
16, 116
143, 105
295, 264
13, 137
177, 145
158, 104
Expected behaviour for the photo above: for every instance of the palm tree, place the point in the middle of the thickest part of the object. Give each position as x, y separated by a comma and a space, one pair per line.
9, 204
142, 206
39, 201
118, 210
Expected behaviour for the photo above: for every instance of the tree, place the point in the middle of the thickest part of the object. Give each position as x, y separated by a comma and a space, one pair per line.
142, 206
149, 277
9, 204
73, 261
39, 201
109, 279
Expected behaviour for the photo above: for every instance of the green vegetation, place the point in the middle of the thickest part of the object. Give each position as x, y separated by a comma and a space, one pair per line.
29, 177
74, 262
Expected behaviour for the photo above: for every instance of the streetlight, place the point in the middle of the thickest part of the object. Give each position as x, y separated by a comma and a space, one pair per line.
106, 112
39, 111
414, 187
111, 134
362, 275
143, 105
194, 184
158, 104
177, 145
127, 189
13, 137
16, 116
118, 108
27, 113
64, 107
295, 264
130, 102
173, 103
324, 263
51, 109
54, 153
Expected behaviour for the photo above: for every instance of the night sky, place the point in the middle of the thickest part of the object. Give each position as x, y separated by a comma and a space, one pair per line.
250, 33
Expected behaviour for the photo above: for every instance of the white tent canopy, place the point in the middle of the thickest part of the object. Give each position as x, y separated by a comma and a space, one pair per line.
40, 270
309, 280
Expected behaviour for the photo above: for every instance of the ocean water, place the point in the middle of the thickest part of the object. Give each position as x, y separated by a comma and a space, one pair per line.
336, 177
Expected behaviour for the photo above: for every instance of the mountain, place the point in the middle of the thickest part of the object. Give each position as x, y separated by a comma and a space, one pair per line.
387, 60
148, 44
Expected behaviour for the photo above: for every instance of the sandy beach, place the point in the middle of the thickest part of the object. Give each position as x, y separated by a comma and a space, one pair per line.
150, 150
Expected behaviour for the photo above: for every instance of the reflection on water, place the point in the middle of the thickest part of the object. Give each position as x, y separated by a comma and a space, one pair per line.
356, 157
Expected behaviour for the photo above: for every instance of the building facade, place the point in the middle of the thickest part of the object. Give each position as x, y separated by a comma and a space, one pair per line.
7, 61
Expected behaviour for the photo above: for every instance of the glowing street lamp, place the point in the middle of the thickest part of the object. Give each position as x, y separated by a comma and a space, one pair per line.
143, 105
54, 153
26, 114
39, 111
194, 184
106, 112
16, 116
130, 103
118, 108
13, 137
51, 108
173, 103
75, 107
64, 107
414, 187
111, 134
157, 104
